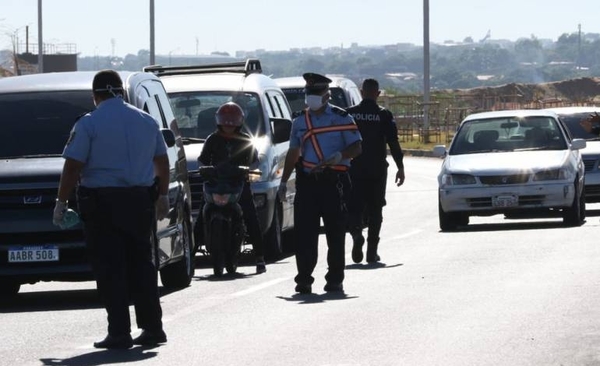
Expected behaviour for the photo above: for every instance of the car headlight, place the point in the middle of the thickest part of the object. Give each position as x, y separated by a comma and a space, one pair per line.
553, 174
458, 179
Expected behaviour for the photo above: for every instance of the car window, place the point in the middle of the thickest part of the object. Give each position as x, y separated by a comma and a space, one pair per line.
572, 122
40, 123
508, 134
195, 111
278, 107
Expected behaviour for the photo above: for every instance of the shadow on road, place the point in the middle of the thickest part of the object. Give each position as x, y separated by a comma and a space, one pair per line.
508, 226
27, 302
103, 357
377, 265
317, 298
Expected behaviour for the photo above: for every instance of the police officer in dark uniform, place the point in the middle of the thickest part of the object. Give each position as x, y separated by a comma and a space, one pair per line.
115, 153
323, 140
369, 170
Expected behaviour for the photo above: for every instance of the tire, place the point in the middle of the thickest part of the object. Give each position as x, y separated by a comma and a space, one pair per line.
216, 247
8, 288
272, 239
574, 215
179, 274
450, 221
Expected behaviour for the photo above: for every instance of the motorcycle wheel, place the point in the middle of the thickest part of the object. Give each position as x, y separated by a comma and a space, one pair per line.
216, 248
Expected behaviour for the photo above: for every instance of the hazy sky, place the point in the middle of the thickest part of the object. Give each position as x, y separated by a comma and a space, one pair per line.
196, 26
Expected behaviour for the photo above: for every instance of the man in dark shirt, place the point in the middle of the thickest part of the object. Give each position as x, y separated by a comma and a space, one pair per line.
228, 144
368, 171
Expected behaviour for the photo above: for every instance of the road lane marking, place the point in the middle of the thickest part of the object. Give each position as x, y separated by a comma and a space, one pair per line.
403, 236
259, 287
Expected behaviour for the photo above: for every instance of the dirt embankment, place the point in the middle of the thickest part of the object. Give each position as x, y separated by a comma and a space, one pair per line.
573, 91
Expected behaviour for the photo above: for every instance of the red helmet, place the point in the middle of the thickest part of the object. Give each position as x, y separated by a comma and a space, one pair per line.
230, 114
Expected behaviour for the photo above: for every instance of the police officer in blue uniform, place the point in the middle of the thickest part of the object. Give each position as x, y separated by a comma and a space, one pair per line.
323, 140
369, 170
115, 153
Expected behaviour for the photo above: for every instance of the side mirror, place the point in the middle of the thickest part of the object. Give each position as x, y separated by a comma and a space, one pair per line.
282, 128
578, 144
439, 150
169, 137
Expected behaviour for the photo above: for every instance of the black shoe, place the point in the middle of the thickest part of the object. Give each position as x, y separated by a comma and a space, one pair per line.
148, 338
357, 254
373, 258
303, 289
115, 342
334, 287
261, 267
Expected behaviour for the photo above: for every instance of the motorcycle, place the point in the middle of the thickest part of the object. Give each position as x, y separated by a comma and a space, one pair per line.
224, 229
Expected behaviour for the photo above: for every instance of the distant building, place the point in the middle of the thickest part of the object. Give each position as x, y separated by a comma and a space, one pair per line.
57, 58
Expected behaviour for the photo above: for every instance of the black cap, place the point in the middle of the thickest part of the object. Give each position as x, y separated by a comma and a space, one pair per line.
315, 83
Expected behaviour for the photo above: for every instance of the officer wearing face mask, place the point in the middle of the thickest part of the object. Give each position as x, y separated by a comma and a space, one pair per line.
112, 158
323, 140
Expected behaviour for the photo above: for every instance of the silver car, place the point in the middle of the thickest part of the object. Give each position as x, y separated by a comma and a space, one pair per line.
571, 117
520, 163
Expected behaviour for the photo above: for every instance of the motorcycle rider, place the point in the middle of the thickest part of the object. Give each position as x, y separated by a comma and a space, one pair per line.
228, 144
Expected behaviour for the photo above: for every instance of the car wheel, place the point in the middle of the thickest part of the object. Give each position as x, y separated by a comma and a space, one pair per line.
179, 274
273, 247
450, 221
9, 288
574, 215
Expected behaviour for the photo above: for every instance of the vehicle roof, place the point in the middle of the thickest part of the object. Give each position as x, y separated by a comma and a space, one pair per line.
574, 110
512, 113
58, 81
221, 81
299, 82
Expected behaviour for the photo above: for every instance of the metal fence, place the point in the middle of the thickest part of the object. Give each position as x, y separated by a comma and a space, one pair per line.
445, 112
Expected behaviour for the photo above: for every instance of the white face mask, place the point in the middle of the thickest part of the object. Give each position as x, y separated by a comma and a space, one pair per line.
314, 102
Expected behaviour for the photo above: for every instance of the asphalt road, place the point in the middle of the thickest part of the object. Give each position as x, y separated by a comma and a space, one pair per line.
519, 292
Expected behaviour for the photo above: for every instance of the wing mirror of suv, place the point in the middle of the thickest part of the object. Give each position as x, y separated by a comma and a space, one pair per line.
169, 137
281, 128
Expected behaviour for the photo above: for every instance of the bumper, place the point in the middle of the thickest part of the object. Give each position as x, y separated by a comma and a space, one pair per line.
480, 200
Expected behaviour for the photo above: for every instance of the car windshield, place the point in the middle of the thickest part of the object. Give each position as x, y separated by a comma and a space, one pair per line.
572, 122
296, 96
508, 134
39, 124
195, 112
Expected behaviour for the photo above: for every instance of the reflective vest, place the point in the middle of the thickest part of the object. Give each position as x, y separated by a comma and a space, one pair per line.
311, 133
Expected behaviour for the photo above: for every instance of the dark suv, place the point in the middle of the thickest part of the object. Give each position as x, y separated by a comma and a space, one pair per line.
38, 113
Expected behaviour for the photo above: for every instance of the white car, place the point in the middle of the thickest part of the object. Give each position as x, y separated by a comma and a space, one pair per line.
520, 163
571, 117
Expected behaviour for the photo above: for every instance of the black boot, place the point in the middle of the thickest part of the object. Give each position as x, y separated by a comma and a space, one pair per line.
372, 256
358, 241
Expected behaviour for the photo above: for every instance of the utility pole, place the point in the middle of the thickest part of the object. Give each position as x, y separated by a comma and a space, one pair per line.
579, 48
152, 52
426, 85
40, 40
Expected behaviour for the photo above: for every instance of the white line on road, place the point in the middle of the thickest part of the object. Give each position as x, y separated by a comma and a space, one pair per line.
259, 287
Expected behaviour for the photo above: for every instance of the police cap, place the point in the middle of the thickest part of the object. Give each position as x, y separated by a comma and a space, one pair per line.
315, 83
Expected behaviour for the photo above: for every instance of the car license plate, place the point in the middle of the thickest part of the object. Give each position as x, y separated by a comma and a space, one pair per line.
505, 201
27, 254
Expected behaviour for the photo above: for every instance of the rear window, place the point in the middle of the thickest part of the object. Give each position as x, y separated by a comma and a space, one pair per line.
40, 123
295, 97
572, 121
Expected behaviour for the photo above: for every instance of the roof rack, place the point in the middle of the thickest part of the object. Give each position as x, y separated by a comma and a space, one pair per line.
250, 66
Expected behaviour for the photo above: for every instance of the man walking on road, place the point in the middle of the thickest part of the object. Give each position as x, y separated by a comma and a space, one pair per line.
368, 171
